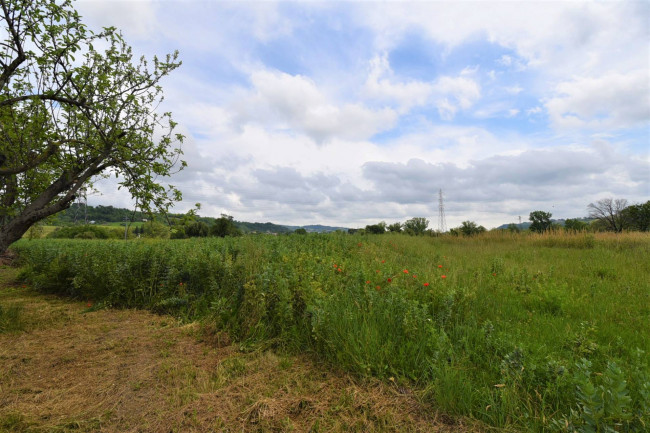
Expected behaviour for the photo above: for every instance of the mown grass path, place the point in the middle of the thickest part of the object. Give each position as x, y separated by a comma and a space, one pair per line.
65, 368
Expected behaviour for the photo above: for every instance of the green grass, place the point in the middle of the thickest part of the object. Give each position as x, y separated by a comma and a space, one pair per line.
533, 332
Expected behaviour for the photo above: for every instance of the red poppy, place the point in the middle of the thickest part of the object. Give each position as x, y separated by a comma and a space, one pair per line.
377, 271
390, 279
494, 274
335, 266
415, 276
440, 266
426, 284
443, 276
367, 281
89, 305
406, 271
339, 269
359, 244
383, 261
377, 287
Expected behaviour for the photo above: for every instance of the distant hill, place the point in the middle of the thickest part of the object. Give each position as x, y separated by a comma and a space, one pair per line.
80, 214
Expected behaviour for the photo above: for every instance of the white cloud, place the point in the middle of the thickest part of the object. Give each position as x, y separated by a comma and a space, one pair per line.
455, 93
282, 100
608, 101
382, 86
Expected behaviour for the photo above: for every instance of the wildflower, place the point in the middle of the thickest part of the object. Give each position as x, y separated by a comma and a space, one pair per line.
494, 274
359, 244
367, 281
415, 276
383, 261
440, 266
377, 288
406, 271
377, 271
426, 284
89, 305
339, 269
443, 276
390, 279
335, 266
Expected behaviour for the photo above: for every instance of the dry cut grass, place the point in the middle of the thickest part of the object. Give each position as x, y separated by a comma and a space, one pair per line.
69, 369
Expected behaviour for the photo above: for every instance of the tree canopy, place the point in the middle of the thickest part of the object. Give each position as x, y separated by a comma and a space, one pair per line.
72, 112
541, 221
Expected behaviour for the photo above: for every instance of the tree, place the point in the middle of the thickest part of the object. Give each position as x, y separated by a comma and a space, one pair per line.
469, 228
300, 231
541, 221
609, 212
197, 229
637, 216
71, 113
513, 228
575, 225
416, 226
395, 228
376, 229
224, 226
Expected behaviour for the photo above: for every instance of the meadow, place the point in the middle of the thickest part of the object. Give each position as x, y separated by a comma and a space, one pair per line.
519, 331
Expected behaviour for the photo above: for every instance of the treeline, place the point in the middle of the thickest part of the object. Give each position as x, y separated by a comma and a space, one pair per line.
79, 214
605, 215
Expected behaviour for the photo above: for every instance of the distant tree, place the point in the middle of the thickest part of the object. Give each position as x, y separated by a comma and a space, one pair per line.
224, 226
575, 225
300, 231
468, 228
395, 227
513, 228
637, 216
154, 229
416, 226
610, 212
197, 229
541, 221
376, 229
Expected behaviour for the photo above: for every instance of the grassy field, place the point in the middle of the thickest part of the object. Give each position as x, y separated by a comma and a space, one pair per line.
521, 332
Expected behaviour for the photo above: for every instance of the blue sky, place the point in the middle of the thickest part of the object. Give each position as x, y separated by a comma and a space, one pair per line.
350, 113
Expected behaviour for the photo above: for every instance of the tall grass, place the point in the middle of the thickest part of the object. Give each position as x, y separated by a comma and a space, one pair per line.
536, 332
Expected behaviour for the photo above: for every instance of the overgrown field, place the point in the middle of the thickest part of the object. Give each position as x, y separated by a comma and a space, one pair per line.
538, 333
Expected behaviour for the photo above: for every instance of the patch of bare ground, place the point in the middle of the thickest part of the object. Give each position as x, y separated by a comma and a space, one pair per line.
70, 369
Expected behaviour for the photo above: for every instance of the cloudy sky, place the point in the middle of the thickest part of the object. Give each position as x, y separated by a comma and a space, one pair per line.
350, 113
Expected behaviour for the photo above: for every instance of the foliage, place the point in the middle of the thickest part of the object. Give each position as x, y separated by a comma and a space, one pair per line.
493, 326
300, 231
575, 225
469, 228
395, 227
154, 229
637, 216
541, 221
87, 232
416, 226
376, 229
224, 226
74, 107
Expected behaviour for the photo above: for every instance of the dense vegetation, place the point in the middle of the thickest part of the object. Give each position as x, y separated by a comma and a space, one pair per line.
535, 332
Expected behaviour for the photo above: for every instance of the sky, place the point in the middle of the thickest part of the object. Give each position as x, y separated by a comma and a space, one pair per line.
351, 113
